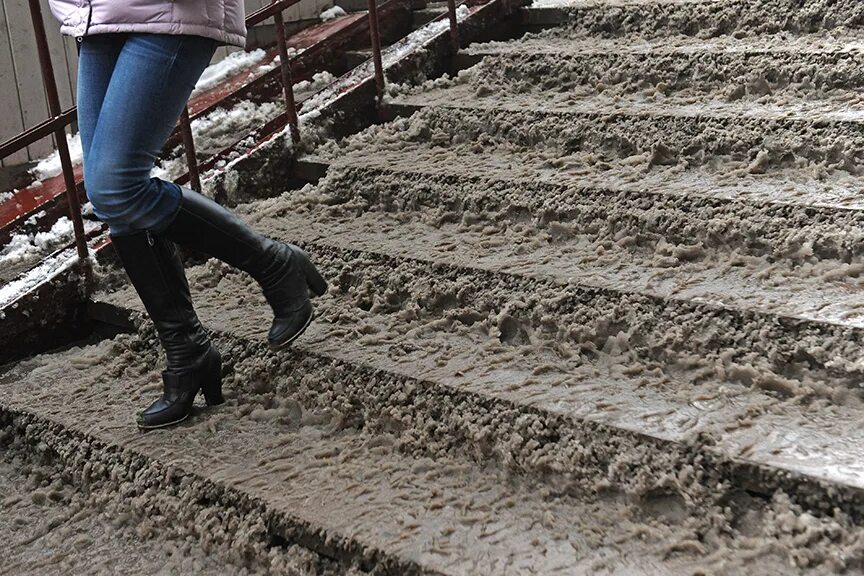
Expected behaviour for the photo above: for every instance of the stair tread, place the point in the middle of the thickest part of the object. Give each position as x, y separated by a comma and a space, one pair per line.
785, 436
729, 179
802, 111
704, 276
444, 516
558, 42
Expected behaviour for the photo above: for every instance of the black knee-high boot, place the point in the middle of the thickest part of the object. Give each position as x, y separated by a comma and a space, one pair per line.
283, 270
193, 364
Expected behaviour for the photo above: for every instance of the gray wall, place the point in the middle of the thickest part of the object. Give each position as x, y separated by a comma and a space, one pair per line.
22, 97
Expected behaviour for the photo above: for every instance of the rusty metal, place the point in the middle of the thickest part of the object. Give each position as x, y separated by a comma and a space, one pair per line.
454, 25
287, 81
62, 119
275, 7
320, 46
62, 148
189, 147
38, 132
375, 36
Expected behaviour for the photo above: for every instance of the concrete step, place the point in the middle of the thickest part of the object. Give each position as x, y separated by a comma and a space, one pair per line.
571, 329
562, 43
488, 221
470, 342
709, 191
268, 471
704, 18
817, 78
51, 527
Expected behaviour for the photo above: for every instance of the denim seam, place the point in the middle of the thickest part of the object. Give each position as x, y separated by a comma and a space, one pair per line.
165, 75
170, 67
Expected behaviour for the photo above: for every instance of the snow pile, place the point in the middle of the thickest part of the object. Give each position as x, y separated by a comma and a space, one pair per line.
50, 165
319, 81
218, 130
221, 127
332, 13
226, 67
416, 40
23, 246
44, 272
264, 68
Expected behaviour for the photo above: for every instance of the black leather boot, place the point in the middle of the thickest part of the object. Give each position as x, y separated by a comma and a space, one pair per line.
283, 270
193, 364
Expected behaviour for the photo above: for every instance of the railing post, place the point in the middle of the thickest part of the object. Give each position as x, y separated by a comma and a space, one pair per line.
287, 78
189, 147
50, 85
454, 25
376, 51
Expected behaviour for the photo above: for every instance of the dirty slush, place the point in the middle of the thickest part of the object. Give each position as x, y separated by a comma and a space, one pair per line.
595, 309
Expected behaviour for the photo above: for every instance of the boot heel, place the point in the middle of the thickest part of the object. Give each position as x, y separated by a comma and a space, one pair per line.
314, 280
213, 393
212, 381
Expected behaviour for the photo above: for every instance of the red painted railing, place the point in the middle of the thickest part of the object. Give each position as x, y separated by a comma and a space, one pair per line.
61, 118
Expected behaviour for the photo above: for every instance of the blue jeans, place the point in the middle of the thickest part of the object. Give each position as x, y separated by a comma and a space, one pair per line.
131, 90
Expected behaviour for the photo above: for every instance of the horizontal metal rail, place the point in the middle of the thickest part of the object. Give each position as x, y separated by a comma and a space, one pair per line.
58, 121
50, 84
267, 11
46, 128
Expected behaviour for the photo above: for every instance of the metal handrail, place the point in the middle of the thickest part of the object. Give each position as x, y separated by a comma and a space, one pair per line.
375, 37
50, 85
275, 7
38, 132
59, 119
454, 25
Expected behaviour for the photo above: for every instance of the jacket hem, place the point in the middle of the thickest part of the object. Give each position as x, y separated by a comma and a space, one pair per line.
222, 36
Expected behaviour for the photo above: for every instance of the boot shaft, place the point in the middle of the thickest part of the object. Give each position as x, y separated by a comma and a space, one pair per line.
157, 274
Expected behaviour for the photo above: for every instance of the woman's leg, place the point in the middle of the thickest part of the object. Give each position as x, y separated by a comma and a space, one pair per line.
192, 362
150, 84
152, 79
96, 62
125, 124
284, 271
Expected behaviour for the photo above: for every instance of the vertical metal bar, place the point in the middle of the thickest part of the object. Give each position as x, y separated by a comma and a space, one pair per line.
454, 25
189, 147
287, 78
376, 50
50, 85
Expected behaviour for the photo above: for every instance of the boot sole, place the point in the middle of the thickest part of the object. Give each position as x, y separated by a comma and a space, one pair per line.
165, 425
281, 345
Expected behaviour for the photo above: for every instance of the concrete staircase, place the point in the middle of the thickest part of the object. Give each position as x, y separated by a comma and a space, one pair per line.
594, 309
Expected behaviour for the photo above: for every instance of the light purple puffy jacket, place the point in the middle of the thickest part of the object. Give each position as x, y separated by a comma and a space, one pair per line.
223, 20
